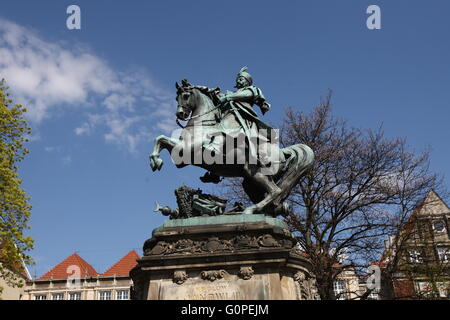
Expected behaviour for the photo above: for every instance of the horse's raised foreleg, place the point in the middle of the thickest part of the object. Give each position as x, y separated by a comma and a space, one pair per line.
161, 143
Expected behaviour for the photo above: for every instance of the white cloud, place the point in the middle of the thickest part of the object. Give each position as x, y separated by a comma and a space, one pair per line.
66, 160
116, 101
84, 129
46, 76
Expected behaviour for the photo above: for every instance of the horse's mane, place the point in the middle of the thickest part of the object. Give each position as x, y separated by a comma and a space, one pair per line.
186, 86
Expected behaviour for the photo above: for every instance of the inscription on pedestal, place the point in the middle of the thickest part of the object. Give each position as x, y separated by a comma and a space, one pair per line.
219, 290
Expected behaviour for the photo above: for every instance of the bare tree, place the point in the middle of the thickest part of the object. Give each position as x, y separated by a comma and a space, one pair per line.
361, 187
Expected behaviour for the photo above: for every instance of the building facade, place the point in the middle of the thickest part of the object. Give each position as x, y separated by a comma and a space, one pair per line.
9, 292
347, 285
416, 263
76, 279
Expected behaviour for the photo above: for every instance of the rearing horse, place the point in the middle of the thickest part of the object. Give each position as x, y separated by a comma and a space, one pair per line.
206, 127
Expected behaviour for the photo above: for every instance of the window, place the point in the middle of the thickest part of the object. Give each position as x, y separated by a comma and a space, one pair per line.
444, 289
339, 289
122, 295
105, 295
415, 256
74, 295
40, 297
373, 295
424, 288
439, 226
443, 254
58, 296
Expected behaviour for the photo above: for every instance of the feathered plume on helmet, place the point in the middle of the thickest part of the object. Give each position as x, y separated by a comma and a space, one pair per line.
246, 75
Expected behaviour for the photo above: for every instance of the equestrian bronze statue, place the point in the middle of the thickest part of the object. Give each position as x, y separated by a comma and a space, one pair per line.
224, 135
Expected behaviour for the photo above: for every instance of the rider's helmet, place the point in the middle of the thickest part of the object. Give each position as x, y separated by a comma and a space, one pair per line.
246, 75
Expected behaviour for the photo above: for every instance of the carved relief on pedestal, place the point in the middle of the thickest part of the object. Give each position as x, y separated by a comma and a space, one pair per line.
314, 293
304, 285
158, 249
246, 272
215, 244
213, 275
180, 276
299, 276
307, 286
268, 240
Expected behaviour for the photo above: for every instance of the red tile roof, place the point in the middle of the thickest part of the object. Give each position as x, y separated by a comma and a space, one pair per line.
64, 269
124, 265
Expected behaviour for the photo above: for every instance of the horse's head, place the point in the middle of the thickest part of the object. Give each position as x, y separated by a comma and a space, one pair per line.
185, 99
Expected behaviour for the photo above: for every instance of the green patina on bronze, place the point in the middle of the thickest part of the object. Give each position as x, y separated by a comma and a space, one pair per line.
220, 220
269, 173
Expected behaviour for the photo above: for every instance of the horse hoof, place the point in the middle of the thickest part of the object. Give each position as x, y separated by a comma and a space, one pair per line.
152, 164
159, 164
248, 211
155, 163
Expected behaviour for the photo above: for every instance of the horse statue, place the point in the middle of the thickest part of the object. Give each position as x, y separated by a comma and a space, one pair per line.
205, 142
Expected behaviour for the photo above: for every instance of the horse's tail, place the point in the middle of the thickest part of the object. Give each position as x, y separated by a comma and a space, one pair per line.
300, 158
303, 155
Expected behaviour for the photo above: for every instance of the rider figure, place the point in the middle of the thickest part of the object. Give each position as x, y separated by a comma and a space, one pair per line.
245, 96
240, 103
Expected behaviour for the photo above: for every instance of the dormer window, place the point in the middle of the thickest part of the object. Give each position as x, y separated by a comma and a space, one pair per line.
439, 226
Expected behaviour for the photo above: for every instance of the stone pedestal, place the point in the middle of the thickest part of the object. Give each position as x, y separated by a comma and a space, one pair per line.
251, 257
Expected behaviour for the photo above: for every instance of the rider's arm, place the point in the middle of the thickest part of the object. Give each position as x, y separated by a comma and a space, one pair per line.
241, 95
260, 101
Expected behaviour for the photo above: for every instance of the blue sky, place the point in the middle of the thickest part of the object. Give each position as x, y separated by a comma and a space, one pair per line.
98, 96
